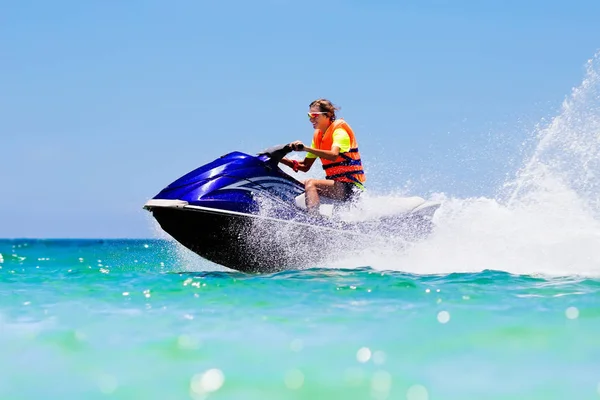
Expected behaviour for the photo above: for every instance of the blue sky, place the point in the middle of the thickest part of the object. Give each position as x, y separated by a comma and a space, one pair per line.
104, 103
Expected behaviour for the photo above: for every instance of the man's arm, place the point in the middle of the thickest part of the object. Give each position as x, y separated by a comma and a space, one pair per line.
330, 155
341, 144
303, 166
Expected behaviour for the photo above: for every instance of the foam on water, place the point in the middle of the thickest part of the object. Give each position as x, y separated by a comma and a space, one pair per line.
544, 221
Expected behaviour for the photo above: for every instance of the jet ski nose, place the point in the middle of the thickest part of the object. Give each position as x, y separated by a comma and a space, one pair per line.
164, 203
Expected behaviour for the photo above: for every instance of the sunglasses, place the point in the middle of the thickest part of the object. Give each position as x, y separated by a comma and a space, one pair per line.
313, 115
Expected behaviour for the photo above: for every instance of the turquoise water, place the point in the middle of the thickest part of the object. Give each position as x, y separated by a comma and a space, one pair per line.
128, 319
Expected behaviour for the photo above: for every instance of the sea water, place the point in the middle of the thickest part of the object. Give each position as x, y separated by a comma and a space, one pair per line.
502, 301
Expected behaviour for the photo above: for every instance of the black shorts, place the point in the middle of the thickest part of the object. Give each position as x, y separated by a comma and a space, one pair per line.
351, 191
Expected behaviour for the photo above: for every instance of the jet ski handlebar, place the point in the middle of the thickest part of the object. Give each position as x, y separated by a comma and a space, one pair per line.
276, 153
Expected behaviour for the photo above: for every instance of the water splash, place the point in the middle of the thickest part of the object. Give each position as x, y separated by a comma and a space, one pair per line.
545, 220
567, 157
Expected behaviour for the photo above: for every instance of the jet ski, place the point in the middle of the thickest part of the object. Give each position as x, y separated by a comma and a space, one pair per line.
245, 213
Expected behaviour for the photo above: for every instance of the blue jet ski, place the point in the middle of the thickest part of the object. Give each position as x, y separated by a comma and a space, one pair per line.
245, 213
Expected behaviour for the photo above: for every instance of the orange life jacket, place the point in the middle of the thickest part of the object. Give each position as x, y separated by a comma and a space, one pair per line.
347, 167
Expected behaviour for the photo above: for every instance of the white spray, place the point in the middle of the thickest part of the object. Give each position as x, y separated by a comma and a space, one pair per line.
544, 221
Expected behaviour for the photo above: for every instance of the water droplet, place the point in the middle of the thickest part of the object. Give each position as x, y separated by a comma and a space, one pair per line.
80, 336
107, 383
438, 290
188, 316
27, 303
352, 287
146, 246
296, 345
125, 293
443, 317
572, 313
363, 354
379, 357
188, 342
381, 382
294, 379
210, 381
466, 298
354, 376
427, 290
417, 392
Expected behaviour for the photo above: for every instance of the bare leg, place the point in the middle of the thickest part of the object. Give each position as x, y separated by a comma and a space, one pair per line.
324, 187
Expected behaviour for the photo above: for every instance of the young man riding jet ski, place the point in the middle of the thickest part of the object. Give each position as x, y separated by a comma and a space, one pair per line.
335, 144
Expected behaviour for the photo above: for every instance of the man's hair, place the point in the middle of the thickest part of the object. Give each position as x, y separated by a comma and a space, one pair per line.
325, 106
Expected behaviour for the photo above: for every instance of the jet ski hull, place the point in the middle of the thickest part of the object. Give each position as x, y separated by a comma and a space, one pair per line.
253, 244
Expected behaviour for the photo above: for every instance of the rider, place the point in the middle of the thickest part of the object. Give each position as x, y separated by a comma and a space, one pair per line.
333, 142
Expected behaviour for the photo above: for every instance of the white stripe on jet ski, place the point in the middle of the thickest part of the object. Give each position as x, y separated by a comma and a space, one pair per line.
279, 183
240, 214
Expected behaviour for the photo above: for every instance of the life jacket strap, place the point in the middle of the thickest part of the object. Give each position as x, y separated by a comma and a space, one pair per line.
348, 175
343, 163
